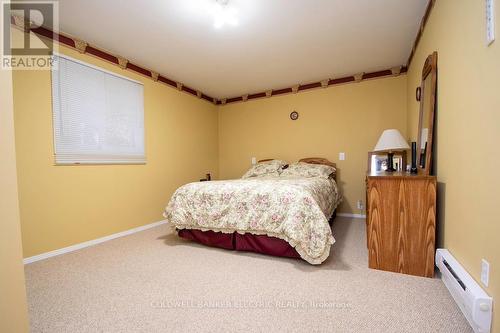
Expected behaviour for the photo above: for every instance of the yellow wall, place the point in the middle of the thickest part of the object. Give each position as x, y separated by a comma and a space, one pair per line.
468, 133
347, 118
13, 310
186, 137
65, 205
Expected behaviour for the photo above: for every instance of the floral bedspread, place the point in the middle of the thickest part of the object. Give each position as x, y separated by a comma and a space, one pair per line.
295, 209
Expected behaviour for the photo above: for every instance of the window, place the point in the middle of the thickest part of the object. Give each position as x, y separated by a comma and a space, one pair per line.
98, 115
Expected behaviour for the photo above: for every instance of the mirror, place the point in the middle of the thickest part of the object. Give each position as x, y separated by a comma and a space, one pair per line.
426, 117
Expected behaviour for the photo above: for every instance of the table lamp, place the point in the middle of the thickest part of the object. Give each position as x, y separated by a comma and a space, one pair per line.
391, 140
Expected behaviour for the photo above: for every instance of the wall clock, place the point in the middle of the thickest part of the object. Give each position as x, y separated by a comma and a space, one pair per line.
294, 115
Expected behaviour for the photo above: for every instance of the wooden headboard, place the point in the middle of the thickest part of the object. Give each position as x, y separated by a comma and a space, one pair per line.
318, 160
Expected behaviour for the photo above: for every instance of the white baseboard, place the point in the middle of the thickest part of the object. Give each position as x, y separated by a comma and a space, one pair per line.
356, 216
79, 246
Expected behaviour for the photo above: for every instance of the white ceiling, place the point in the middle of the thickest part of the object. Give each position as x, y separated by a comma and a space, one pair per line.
276, 44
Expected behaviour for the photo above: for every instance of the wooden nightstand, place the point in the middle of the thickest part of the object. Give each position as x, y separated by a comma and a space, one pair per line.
401, 222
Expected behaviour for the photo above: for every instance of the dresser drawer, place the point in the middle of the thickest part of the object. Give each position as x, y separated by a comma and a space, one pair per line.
401, 224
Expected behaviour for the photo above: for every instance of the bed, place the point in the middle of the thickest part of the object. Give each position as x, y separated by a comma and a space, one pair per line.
276, 214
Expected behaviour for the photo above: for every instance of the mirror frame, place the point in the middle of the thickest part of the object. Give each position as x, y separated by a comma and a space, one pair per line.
430, 68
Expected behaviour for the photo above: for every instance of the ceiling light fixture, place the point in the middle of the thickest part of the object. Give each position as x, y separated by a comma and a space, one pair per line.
223, 14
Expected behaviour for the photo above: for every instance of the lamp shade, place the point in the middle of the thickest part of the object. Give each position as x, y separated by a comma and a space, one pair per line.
391, 139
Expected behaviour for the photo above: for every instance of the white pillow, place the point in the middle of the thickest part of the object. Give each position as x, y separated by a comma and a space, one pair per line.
309, 170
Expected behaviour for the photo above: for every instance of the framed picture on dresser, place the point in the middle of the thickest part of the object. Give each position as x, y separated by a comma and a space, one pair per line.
377, 161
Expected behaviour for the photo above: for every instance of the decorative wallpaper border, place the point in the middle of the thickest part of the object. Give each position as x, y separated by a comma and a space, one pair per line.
395, 71
83, 47
428, 11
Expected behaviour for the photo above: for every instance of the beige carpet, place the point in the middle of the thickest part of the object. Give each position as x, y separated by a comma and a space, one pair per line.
155, 282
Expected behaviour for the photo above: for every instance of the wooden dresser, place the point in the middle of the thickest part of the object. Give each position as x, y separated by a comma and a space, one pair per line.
401, 222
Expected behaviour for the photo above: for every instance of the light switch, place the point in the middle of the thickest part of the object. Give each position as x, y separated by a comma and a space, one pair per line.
254, 161
341, 156
485, 272
490, 21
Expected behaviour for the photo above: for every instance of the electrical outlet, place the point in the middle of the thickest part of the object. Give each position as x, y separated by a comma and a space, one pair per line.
254, 161
490, 21
485, 272
360, 205
341, 156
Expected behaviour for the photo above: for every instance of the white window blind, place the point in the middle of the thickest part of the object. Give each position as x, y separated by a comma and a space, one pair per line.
98, 115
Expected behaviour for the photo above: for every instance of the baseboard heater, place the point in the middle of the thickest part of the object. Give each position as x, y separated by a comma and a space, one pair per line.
475, 304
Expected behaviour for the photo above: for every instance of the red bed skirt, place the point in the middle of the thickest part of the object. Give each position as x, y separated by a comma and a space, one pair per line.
247, 242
